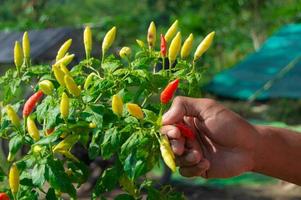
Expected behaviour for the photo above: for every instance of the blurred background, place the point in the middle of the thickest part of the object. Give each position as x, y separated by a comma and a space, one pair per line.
242, 27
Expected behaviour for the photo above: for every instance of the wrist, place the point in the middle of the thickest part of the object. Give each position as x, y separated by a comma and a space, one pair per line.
259, 149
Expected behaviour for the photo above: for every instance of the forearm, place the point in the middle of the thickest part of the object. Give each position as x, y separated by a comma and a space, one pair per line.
278, 154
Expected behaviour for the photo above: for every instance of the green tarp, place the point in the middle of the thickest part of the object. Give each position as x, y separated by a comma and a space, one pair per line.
276, 67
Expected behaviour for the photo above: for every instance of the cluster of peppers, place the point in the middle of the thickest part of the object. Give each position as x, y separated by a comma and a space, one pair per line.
63, 77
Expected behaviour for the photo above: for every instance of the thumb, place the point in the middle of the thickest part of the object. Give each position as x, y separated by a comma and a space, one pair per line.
182, 106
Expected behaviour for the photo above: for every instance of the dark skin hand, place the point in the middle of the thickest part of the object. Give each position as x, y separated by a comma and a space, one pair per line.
227, 145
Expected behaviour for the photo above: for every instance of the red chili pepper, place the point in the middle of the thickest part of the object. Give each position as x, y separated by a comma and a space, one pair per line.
31, 103
4, 196
186, 131
49, 131
163, 46
169, 91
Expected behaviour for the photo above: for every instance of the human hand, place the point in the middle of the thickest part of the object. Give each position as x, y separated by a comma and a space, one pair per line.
224, 145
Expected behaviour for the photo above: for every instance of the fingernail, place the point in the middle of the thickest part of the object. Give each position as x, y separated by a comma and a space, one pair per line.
190, 157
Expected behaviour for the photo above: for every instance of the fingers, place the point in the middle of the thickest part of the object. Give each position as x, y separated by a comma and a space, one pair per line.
200, 169
185, 106
189, 159
177, 141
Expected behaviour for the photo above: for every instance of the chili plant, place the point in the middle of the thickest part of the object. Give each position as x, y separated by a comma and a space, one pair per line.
111, 105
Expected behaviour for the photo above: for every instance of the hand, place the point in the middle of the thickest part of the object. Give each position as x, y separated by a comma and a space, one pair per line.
224, 145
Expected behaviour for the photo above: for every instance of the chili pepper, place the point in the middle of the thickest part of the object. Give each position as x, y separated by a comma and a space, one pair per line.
151, 35
71, 86
186, 131
46, 86
64, 68
163, 46
63, 50
14, 179
65, 60
37, 149
26, 46
140, 43
59, 75
31, 103
32, 129
203, 46
88, 41
174, 48
10, 157
167, 153
108, 40
171, 31
4, 196
64, 106
186, 48
66, 144
135, 110
117, 105
18, 55
125, 52
89, 80
92, 125
49, 131
168, 92
12, 116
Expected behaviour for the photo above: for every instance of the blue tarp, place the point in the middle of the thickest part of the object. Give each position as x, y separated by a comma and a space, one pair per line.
248, 76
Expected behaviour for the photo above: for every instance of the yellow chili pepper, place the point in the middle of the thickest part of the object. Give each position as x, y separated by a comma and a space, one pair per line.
187, 46
66, 144
125, 52
71, 86
32, 129
92, 125
135, 110
174, 48
167, 153
140, 43
10, 157
14, 179
203, 46
89, 80
64, 68
151, 35
63, 50
171, 31
18, 55
65, 60
108, 40
64, 106
88, 41
117, 105
46, 86
26, 46
12, 115
59, 75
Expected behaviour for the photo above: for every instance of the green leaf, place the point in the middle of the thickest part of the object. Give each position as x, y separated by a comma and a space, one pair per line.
51, 194
94, 147
124, 197
107, 181
15, 144
50, 138
110, 143
38, 174
134, 166
57, 177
